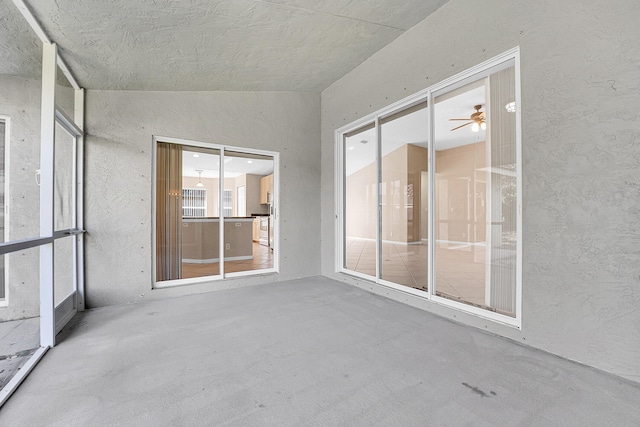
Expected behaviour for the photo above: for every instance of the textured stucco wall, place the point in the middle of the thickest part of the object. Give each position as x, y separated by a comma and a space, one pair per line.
581, 153
20, 102
118, 176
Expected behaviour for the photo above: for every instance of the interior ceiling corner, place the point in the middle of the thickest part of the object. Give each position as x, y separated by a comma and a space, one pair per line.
237, 45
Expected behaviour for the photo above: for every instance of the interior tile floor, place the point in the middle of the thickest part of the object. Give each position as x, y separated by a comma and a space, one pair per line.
460, 273
308, 352
262, 259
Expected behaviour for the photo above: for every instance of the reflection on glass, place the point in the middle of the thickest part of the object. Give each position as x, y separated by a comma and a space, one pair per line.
476, 194
404, 199
63, 183
360, 198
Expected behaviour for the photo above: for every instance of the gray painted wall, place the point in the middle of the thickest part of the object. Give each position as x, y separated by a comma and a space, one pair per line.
581, 154
118, 176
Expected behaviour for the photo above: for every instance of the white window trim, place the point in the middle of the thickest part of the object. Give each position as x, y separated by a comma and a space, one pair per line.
427, 94
276, 210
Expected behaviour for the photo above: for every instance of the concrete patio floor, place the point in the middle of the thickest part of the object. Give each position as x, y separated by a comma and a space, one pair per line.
19, 339
301, 353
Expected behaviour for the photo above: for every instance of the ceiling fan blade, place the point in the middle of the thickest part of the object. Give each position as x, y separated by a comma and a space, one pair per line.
458, 119
461, 126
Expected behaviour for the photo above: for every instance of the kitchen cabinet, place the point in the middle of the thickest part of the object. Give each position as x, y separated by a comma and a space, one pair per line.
266, 188
200, 239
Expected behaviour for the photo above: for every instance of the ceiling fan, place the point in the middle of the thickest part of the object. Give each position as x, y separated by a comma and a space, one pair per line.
476, 120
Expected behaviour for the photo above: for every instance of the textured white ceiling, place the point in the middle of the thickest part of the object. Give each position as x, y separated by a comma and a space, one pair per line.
20, 48
300, 45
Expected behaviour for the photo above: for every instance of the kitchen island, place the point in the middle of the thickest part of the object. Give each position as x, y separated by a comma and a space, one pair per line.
200, 239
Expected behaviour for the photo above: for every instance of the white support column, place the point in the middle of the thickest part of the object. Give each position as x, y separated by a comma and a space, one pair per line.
78, 255
379, 185
47, 152
431, 226
221, 214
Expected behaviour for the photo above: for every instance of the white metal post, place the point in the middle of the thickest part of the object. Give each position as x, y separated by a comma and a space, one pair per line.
431, 217
47, 153
378, 185
78, 257
221, 245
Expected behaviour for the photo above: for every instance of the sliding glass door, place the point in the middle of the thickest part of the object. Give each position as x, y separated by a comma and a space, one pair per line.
429, 194
475, 194
213, 200
360, 200
403, 209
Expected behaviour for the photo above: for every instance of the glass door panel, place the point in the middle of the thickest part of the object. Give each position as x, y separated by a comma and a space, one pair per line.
200, 213
65, 94
404, 197
64, 280
249, 223
360, 200
20, 322
20, 122
64, 216
475, 193
20, 175
191, 200
63, 197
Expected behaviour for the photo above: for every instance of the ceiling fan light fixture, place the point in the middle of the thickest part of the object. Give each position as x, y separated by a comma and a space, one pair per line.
476, 120
510, 107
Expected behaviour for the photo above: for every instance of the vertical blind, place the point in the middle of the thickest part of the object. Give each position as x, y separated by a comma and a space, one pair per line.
169, 212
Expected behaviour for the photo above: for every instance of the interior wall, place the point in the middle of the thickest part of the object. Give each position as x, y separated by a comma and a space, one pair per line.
580, 139
402, 166
458, 175
118, 179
